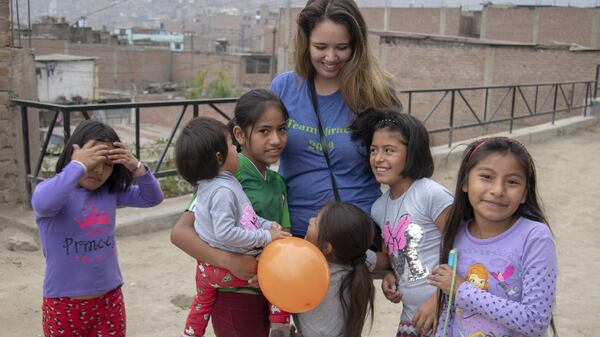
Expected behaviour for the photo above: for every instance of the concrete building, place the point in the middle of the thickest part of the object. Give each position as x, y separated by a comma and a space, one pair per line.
17, 80
61, 76
59, 28
150, 37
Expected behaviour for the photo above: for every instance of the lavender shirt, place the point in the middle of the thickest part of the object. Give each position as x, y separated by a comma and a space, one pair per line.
77, 231
511, 282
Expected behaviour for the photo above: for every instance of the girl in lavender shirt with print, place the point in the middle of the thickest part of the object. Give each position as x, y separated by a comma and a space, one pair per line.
506, 273
75, 214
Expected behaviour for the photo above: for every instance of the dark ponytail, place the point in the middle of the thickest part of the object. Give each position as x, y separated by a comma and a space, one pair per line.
349, 231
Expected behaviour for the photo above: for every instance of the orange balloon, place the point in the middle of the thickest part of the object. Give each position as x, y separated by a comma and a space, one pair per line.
293, 274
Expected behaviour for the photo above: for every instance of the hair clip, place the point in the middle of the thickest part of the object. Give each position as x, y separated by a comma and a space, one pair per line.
387, 120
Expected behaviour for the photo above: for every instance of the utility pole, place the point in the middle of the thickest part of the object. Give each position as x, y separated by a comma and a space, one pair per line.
273, 59
242, 39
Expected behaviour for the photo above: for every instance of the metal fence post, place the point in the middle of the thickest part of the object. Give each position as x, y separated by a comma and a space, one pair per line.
450, 130
137, 133
512, 109
554, 105
66, 125
26, 154
596, 82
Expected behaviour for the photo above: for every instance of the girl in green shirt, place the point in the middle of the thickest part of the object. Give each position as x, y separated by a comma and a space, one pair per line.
259, 127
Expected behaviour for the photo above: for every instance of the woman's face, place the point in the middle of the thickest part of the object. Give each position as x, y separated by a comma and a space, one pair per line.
329, 48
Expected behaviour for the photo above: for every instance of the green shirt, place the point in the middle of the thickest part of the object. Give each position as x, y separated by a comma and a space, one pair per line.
267, 194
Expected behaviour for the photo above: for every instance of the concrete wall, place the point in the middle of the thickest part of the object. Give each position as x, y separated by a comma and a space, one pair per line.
119, 67
17, 80
66, 78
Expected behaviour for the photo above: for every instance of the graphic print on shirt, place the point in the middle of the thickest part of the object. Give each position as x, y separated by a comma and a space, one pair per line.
470, 324
477, 274
94, 225
314, 144
502, 278
402, 241
249, 219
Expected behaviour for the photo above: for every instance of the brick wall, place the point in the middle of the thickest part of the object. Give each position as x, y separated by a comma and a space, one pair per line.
542, 25
508, 24
444, 21
568, 25
17, 80
438, 63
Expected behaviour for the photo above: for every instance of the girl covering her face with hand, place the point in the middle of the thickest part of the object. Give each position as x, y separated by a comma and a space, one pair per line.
75, 213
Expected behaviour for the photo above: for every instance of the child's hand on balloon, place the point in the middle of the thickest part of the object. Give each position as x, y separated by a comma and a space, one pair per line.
278, 233
388, 285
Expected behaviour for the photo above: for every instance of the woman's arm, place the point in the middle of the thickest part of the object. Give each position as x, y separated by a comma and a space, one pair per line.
185, 238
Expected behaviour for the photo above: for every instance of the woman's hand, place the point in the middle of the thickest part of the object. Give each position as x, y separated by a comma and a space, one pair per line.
441, 277
425, 316
388, 285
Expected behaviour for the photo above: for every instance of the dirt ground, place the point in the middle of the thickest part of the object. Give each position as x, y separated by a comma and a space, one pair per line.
159, 279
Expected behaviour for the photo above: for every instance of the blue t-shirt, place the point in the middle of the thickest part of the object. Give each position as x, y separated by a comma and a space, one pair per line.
303, 164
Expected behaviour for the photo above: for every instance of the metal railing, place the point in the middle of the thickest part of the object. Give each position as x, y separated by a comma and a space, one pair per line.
563, 94
533, 98
66, 112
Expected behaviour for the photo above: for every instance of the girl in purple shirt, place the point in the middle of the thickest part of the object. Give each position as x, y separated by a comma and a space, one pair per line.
75, 213
506, 271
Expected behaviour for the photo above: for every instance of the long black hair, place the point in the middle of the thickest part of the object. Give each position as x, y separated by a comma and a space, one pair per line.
462, 210
349, 231
120, 178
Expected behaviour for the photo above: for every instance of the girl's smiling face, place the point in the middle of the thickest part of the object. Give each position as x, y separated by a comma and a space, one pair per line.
329, 48
496, 186
265, 140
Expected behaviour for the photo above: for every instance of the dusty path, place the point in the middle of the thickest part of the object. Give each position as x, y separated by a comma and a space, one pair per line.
158, 276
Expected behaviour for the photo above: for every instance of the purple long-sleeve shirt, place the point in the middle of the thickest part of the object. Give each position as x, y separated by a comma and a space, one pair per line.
510, 283
77, 231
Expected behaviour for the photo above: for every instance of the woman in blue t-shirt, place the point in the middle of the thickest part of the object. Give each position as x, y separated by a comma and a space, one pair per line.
331, 52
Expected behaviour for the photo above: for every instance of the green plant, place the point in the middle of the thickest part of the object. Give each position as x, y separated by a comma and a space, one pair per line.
174, 186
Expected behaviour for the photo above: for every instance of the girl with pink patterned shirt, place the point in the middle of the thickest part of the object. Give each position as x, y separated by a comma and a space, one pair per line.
411, 214
225, 219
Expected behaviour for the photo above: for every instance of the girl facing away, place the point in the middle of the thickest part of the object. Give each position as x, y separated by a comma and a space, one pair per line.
259, 127
506, 273
343, 233
224, 217
411, 213
75, 214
